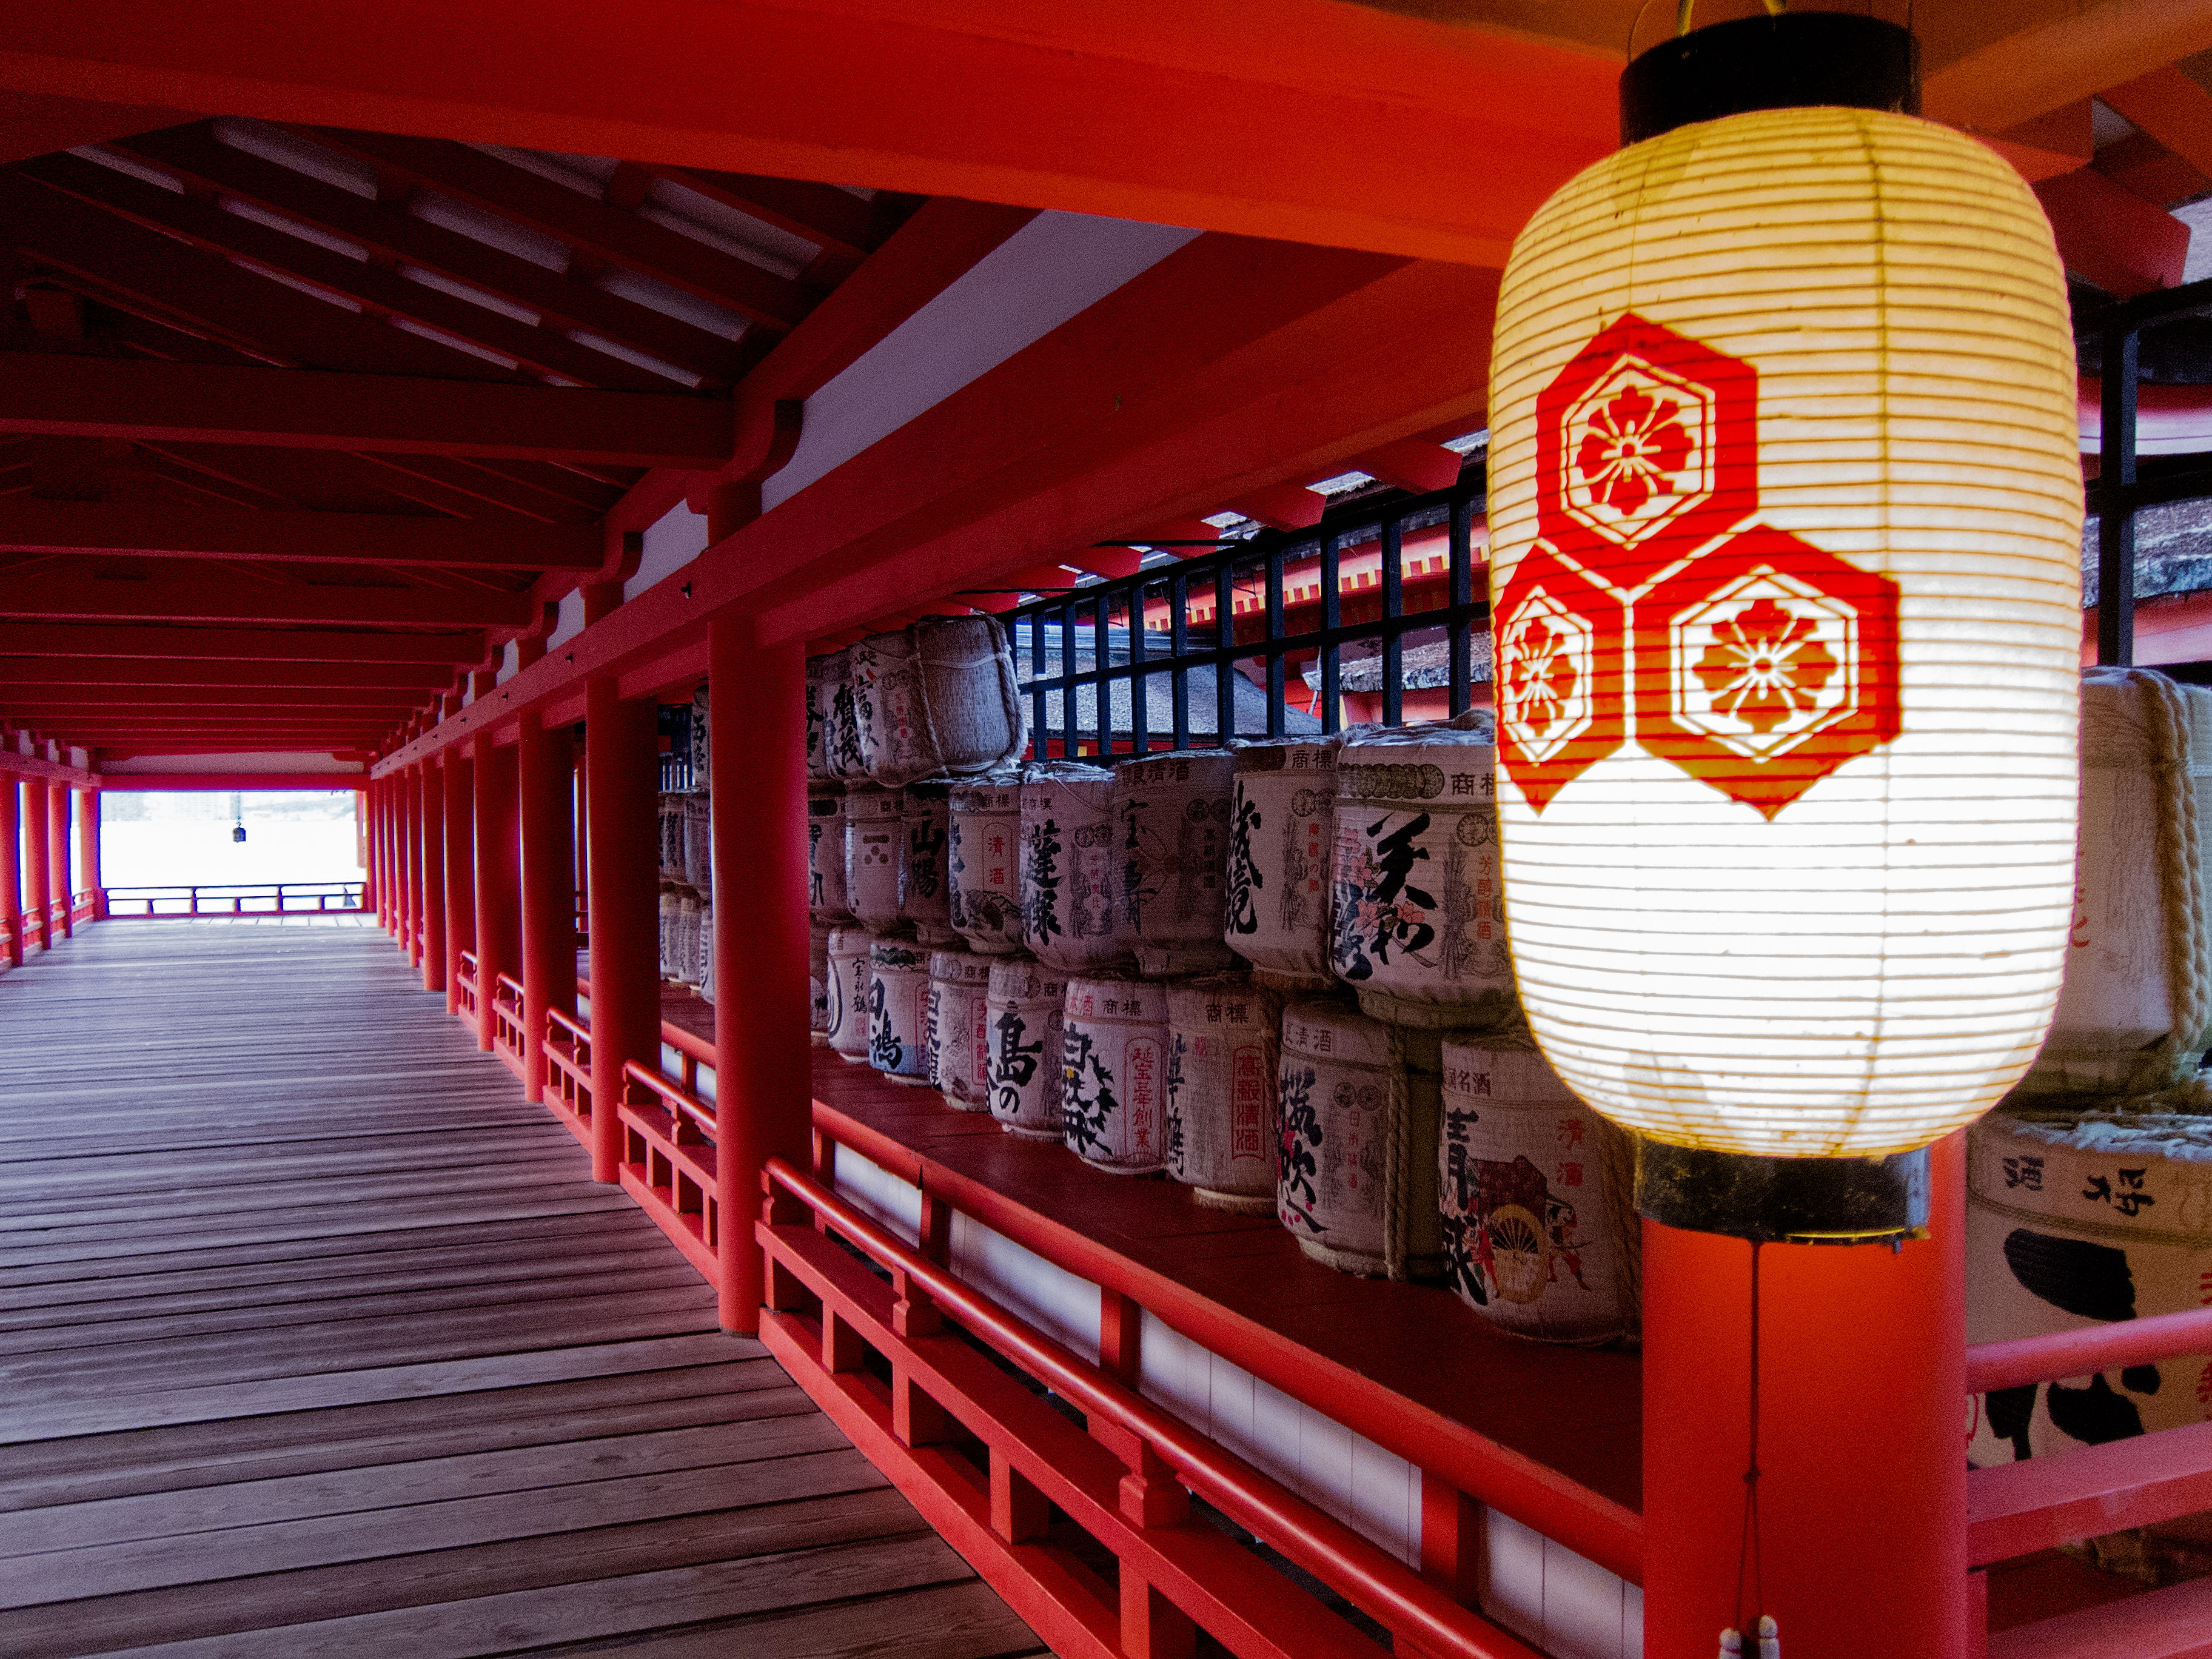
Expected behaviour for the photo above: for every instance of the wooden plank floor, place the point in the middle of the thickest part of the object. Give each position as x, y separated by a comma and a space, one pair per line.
314, 1340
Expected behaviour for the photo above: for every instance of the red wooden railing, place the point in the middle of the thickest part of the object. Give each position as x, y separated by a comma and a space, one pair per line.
568, 1048
506, 1030
2019, 1508
982, 1457
465, 976
239, 898
668, 1163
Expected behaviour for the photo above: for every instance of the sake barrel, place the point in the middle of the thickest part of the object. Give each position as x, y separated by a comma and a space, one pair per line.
840, 730
823, 676
703, 965
825, 854
984, 864
671, 818
1418, 918
2076, 1219
889, 724
969, 693
1068, 866
1224, 1055
924, 881
2137, 992
702, 748
874, 832
846, 1029
818, 980
1537, 1194
959, 1028
685, 964
1172, 818
698, 843
1113, 1101
1282, 826
898, 1009
1026, 1003
672, 930
1358, 1103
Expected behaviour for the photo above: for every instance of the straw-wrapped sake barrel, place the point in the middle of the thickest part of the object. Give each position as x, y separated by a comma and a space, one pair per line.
2137, 994
825, 854
1171, 817
1281, 828
1113, 1041
924, 881
898, 1009
1419, 926
671, 818
2076, 1219
1025, 1004
817, 978
702, 739
938, 696
1225, 1039
672, 930
840, 727
704, 965
1537, 1196
1358, 1103
698, 843
958, 1028
1069, 865
874, 829
685, 966
984, 864
823, 675
847, 1028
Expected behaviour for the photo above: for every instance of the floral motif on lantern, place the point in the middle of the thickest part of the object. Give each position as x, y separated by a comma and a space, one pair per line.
1559, 649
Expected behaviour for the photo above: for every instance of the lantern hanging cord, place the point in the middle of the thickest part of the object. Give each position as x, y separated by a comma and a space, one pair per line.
1747, 1552
1684, 8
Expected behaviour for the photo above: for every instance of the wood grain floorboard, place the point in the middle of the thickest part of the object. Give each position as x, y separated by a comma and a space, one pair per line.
316, 1340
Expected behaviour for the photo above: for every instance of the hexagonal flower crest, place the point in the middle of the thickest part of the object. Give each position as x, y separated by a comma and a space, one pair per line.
1765, 666
1559, 642
1647, 448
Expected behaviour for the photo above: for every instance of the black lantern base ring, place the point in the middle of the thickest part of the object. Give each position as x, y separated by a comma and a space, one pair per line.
1785, 1200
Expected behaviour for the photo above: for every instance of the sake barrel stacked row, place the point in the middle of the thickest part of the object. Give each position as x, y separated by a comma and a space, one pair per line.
936, 698
687, 839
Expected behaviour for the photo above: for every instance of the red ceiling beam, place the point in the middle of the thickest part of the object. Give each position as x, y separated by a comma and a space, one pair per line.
372, 288
195, 158
162, 279
143, 782
37, 675
42, 705
143, 530
2066, 54
76, 591
604, 233
444, 650
2111, 236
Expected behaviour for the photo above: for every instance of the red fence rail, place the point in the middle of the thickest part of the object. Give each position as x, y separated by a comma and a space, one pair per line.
507, 1029
238, 898
466, 974
568, 1072
668, 1163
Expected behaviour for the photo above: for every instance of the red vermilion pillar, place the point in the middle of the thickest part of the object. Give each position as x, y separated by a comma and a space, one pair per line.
433, 878
373, 892
11, 867
38, 863
549, 890
402, 897
1862, 1430
762, 1080
460, 870
622, 825
418, 906
87, 851
58, 848
499, 883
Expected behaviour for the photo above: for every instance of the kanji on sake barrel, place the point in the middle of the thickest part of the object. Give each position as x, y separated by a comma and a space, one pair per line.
1114, 1043
847, 1030
1537, 1196
1070, 865
2077, 1218
875, 830
1358, 1103
937, 696
698, 831
898, 1009
824, 675
1171, 822
958, 1028
818, 980
1419, 929
672, 930
825, 854
1282, 830
983, 863
1024, 1004
2137, 995
1223, 1051
683, 964
704, 963
924, 881
841, 728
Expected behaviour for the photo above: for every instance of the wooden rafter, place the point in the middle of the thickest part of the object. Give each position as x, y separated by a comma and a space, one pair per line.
134, 528
63, 590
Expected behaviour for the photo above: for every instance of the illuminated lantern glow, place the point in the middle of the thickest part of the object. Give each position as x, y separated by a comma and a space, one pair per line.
1786, 512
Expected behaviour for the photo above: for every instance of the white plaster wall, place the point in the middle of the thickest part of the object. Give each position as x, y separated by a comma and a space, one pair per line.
1053, 268
570, 622
673, 540
506, 669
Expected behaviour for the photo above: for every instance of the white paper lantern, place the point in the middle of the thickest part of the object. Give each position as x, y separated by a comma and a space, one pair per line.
1785, 529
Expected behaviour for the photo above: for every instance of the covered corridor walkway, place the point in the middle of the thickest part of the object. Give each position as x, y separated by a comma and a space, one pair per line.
315, 1339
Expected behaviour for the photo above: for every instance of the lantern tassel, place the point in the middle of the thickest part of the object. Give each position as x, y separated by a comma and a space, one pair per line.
1770, 1641
1731, 1644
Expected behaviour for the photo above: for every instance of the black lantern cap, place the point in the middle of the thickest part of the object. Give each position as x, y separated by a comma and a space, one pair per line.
1794, 60
1799, 1200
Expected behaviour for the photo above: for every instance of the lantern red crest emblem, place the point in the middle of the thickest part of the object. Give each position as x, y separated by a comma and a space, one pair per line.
1761, 663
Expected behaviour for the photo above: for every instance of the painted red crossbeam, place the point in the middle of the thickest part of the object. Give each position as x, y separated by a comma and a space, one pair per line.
2082, 1353
146, 530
